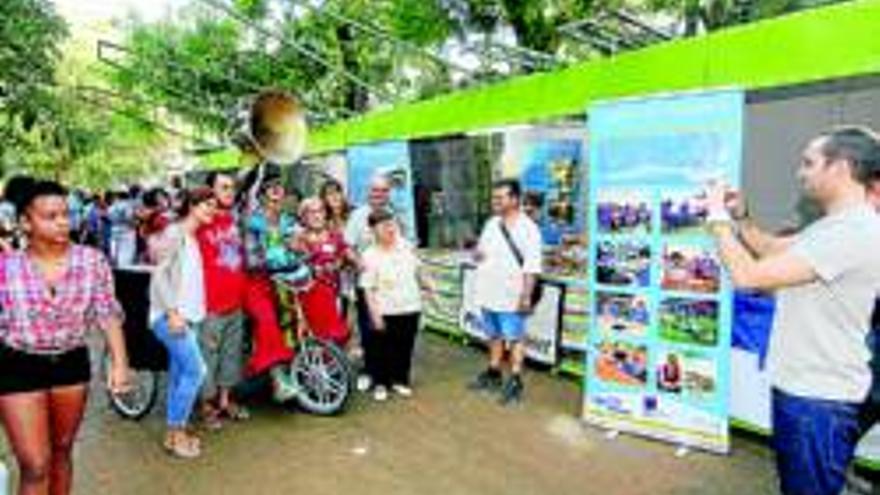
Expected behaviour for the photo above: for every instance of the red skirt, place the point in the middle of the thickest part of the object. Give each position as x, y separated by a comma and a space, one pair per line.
320, 306
269, 345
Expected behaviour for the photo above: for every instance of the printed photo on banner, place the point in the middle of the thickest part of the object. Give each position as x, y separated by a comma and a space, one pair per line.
623, 212
682, 213
689, 321
690, 268
623, 263
622, 363
622, 314
688, 373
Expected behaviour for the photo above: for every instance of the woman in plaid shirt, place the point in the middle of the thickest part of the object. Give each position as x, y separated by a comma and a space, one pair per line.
50, 295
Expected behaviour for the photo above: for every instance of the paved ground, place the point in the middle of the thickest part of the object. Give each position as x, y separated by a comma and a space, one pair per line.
445, 441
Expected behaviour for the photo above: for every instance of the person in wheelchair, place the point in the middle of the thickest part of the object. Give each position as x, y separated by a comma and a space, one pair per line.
327, 254
268, 233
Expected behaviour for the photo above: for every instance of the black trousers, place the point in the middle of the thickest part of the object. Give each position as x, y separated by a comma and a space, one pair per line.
365, 327
393, 349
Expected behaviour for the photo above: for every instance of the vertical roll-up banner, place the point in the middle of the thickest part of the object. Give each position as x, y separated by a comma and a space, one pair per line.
658, 360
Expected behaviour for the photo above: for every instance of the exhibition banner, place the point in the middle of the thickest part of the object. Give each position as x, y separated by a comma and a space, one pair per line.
658, 357
551, 166
390, 159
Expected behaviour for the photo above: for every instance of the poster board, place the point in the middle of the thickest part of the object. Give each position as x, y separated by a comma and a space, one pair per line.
542, 326
658, 357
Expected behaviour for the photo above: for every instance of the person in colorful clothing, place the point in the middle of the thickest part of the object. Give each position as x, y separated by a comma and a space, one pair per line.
268, 232
51, 293
222, 337
327, 254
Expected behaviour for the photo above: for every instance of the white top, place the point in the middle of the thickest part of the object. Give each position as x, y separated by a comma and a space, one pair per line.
817, 345
499, 277
391, 274
192, 304
192, 290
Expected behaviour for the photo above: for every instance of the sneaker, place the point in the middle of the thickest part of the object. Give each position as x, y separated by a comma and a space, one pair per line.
489, 380
402, 390
513, 390
380, 393
283, 386
283, 389
364, 382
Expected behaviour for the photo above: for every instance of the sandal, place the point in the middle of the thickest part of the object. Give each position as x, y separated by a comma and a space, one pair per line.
183, 446
212, 419
236, 412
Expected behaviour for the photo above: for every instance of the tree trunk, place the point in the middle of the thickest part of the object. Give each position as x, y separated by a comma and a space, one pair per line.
356, 97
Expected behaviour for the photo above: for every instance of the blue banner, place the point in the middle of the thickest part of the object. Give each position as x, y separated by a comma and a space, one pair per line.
390, 159
658, 360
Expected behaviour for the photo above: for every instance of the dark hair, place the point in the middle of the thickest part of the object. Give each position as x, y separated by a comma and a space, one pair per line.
16, 189
512, 185
211, 178
535, 198
857, 145
378, 216
194, 197
35, 190
150, 198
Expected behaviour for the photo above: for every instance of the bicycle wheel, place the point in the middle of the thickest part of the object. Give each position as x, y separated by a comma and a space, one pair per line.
139, 401
323, 375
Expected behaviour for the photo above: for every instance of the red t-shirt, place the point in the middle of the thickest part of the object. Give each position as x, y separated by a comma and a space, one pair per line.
222, 251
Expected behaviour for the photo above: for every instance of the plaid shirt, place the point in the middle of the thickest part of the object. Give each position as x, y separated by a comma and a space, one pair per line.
33, 321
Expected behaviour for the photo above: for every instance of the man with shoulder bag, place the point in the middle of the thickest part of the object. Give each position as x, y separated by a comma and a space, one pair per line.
508, 258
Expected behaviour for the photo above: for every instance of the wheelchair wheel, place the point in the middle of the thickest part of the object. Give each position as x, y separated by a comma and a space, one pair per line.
139, 401
323, 374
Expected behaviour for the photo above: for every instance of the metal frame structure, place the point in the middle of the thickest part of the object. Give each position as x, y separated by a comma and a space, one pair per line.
612, 31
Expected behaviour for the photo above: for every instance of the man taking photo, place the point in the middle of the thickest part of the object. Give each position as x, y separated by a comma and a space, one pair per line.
825, 278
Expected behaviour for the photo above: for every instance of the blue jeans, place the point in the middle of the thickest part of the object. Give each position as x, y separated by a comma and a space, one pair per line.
815, 440
186, 371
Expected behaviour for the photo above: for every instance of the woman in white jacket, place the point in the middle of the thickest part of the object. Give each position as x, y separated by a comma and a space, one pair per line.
177, 308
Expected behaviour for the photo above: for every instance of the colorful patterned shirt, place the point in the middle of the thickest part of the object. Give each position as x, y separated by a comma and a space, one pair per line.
34, 320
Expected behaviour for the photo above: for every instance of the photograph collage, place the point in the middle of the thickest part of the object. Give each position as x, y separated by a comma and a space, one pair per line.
658, 281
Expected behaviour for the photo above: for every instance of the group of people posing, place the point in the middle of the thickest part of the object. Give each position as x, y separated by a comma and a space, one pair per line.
218, 259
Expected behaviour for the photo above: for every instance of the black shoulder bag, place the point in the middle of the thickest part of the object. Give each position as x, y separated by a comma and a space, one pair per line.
537, 288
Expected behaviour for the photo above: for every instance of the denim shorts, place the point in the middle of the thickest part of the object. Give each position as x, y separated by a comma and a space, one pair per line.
504, 325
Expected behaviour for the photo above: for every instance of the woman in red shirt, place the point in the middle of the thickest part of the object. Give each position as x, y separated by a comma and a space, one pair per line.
50, 295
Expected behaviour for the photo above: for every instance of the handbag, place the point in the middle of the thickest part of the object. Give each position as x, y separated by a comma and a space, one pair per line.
538, 288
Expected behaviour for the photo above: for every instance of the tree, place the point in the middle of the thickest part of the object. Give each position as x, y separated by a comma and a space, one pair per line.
30, 34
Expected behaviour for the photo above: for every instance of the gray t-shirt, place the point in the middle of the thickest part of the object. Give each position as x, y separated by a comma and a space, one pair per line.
817, 345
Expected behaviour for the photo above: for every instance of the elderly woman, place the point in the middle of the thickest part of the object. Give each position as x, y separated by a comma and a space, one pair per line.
327, 254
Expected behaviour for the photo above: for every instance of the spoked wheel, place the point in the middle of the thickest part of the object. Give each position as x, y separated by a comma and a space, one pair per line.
137, 402
323, 374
